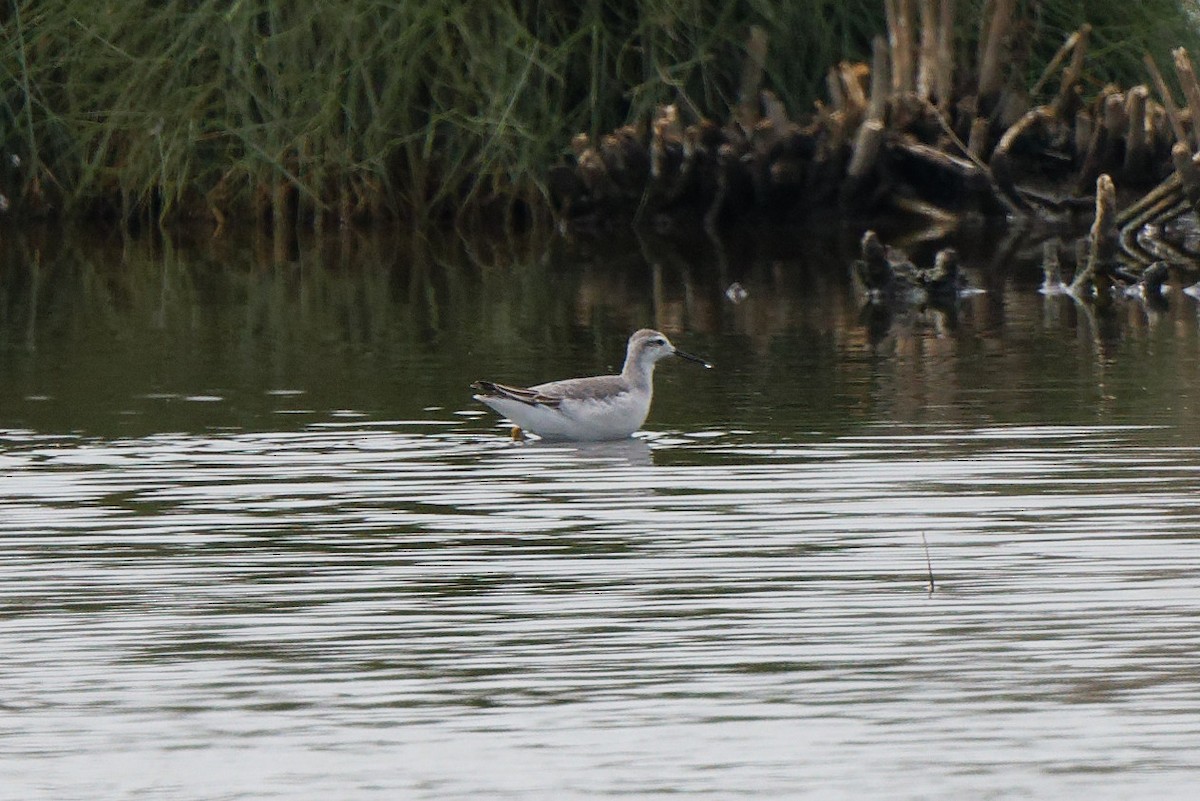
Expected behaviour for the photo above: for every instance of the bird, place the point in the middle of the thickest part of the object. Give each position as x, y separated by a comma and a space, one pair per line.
605, 407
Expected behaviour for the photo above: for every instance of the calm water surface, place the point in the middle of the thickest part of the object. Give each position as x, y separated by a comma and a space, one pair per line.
256, 540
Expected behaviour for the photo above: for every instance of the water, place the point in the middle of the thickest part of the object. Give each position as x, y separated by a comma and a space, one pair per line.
257, 542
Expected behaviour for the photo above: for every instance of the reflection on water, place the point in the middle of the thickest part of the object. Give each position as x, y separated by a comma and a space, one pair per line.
257, 541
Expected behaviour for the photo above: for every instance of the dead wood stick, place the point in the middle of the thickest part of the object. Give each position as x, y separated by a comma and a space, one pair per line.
1084, 128
825, 168
1075, 45
965, 149
930, 155
774, 111
1028, 122
1066, 89
1131, 246
1169, 189
1114, 113
1102, 239
941, 219
852, 83
1109, 128
726, 157
279, 215
1189, 174
590, 168
752, 69
854, 96
999, 163
867, 145
868, 139
1051, 267
893, 26
927, 61
907, 22
877, 107
1191, 90
1159, 136
1168, 192
1164, 94
1055, 62
977, 140
1153, 278
837, 132
991, 66
665, 129
986, 11
693, 149
873, 269
1013, 203
944, 80
900, 38
1167, 207
1069, 47
833, 83
1157, 248
1137, 155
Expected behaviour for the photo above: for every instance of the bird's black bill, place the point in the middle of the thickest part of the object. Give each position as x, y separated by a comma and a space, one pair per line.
692, 358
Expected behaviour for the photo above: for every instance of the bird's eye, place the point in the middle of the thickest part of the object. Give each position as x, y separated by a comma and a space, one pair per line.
658, 341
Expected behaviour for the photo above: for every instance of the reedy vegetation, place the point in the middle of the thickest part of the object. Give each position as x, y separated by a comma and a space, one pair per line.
311, 111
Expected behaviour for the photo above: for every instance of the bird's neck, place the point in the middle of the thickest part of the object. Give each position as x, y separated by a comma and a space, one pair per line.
639, 374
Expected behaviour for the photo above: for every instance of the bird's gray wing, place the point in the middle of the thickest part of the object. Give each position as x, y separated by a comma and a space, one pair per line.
602, 387
530, 397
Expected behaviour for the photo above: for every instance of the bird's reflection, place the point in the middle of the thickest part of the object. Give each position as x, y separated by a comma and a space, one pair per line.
633, 451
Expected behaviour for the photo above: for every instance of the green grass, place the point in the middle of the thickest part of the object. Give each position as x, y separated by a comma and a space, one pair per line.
369, 109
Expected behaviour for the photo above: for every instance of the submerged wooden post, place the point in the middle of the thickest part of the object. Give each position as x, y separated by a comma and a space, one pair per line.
873, 269
1102, 239
1051, 268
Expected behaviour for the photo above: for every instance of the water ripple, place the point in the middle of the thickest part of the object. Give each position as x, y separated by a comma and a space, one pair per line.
434, 594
